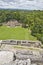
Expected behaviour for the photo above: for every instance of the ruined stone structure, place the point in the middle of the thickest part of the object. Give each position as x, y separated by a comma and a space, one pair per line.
12, 23
22, 43
23, 57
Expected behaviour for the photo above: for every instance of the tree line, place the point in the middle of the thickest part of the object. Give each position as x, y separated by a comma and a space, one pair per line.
34, 20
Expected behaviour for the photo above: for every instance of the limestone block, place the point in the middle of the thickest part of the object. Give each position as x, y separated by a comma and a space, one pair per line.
6, 57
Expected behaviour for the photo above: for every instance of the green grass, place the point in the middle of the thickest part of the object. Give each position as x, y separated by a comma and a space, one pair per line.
18, 33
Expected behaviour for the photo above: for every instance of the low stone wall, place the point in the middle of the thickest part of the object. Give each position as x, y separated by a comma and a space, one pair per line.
21, 42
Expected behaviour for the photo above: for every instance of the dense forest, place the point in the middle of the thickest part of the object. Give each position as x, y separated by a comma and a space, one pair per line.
34, 20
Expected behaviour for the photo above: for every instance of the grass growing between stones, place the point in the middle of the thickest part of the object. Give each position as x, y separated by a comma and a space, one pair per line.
17, 33
26, 48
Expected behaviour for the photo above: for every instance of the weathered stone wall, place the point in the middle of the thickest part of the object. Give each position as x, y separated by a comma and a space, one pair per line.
27, 57
21, 62
35, 56
21, 42
21, 57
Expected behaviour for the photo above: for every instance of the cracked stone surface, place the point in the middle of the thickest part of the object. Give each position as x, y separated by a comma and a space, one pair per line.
22, 56
6, 57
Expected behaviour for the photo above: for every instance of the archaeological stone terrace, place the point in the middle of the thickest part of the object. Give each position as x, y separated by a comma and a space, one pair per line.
9, 56
21, 42
21, 57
